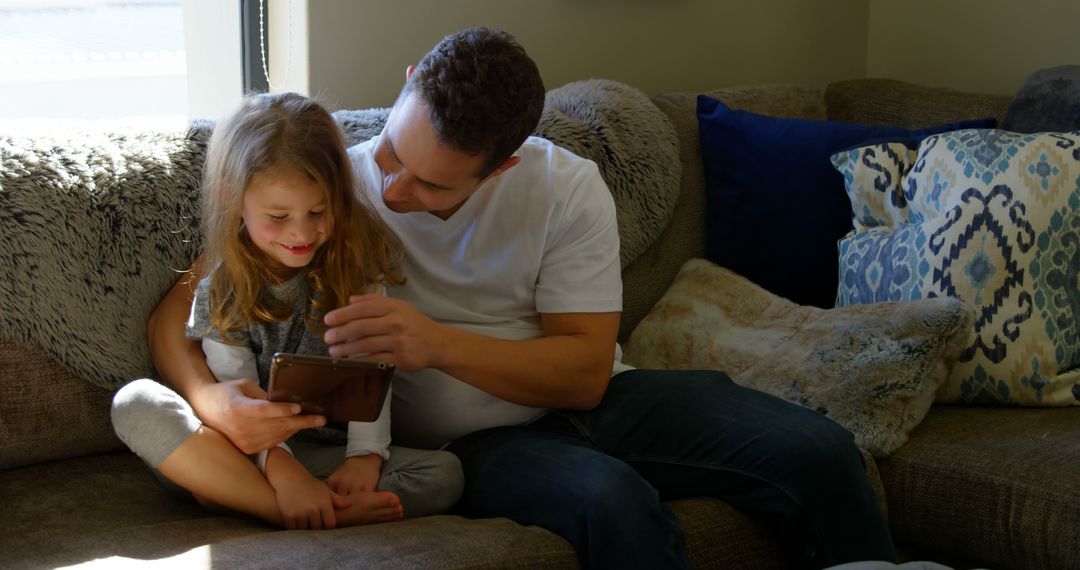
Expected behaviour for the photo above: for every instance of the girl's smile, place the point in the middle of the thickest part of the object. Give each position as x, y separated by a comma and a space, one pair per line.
299, 249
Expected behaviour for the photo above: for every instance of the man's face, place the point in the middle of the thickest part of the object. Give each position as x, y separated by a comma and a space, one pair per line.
419, 173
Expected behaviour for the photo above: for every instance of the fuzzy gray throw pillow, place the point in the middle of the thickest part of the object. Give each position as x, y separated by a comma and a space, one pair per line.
97, 226
873, 369
632, 142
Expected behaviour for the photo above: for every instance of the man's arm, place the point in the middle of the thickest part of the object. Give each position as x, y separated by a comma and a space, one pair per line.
236, 409
568, 367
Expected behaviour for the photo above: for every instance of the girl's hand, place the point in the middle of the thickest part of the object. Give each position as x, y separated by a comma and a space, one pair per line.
304, 501
358, 473
239, 410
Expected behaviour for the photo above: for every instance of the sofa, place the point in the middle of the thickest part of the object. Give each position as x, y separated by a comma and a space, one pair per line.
975, 486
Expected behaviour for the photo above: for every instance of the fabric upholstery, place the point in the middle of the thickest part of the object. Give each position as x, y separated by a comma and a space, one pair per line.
995, 486
907, 105
774, 205
989, 217
47, 413
873, 369
158, 528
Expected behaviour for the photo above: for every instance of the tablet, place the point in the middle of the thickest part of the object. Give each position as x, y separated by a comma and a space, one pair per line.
342, 389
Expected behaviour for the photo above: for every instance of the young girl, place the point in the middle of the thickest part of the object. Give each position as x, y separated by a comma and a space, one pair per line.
286, 240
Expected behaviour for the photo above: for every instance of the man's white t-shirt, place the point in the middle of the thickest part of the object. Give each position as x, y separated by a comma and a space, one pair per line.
539, 238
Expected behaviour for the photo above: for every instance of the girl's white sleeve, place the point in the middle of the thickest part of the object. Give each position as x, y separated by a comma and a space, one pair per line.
371, 437
230, 361
234, 362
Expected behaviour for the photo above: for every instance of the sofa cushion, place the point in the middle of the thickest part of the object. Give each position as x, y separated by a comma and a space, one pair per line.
873, 369
775, 205
995, 486
990, 217
46, 413
1048, 101
122, 512
115, 512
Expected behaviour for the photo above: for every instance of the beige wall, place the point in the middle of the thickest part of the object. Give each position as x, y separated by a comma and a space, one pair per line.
975, 45
212, 42
352, 53
358, 49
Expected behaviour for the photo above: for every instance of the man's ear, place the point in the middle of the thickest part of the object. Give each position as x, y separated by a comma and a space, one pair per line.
510, 163
408, 71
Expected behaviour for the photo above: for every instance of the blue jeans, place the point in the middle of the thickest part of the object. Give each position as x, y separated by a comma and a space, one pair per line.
599, 478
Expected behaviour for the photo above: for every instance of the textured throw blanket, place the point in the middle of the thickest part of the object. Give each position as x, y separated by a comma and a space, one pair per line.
97, 226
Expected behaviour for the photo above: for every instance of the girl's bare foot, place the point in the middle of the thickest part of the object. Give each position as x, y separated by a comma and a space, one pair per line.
368, 507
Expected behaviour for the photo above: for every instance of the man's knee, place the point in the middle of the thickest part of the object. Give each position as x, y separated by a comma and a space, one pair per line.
611, 492
823, 451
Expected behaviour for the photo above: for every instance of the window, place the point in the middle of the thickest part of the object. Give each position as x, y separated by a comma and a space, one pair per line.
64, 60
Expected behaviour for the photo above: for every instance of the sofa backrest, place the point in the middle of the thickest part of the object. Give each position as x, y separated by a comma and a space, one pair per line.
882, 102
49, 412
899, 104
647, 278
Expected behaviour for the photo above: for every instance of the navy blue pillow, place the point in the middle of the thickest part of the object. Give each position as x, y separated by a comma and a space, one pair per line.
775, 205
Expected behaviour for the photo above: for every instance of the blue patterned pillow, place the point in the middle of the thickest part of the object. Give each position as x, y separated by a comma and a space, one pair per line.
993, 218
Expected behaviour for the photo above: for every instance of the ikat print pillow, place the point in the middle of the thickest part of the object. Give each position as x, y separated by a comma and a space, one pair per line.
987, 216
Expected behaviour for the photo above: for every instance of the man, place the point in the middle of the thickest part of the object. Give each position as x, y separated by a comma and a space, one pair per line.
504, 339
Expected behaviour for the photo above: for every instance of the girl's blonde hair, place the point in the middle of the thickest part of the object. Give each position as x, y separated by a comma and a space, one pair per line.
287, 131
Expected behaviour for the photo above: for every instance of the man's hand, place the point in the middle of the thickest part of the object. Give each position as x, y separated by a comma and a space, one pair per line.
239, 410
387, 330
358, 473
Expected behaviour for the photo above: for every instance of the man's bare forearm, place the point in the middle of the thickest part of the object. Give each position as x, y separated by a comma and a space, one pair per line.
562, 371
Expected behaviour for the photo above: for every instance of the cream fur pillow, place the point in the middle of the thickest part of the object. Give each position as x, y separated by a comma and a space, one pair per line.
873, 369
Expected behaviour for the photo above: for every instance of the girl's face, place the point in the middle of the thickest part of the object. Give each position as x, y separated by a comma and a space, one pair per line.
284, 213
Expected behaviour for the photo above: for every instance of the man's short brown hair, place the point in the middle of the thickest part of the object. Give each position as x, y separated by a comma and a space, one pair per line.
483, 93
